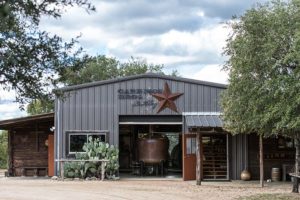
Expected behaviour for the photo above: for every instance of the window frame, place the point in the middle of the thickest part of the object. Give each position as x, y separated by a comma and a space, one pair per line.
190, 146
87, 133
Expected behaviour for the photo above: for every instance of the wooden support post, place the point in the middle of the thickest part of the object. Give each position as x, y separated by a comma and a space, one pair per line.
35, 172
162, 168
199, 156
62, 175
261, 161
103, 170
46, 171
297, 160
23, 171
295, 185
141, 168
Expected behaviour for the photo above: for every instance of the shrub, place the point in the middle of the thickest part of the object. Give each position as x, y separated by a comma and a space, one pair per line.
3, 150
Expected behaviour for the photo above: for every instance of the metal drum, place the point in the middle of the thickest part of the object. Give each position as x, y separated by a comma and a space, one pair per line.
153, 149
275, 174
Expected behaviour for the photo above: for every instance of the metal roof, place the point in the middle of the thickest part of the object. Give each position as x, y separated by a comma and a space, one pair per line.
6, 124
147, 75
213, 121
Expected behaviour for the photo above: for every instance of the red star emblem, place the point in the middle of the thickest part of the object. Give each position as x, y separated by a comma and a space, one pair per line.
166, 99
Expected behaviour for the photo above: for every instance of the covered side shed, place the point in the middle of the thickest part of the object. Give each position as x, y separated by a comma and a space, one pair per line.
30, 146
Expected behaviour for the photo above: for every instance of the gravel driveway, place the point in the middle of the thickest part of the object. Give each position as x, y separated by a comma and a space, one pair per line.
45, 189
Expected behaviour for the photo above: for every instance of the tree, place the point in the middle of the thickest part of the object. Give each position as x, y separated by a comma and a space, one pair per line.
103, 68
37, 106
3, 149
29, 57
98, 68
138, 66
263, 65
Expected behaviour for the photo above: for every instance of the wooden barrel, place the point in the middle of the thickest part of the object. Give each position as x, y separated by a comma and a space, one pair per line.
276, 174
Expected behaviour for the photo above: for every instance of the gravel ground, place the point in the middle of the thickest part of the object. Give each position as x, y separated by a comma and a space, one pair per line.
46, 189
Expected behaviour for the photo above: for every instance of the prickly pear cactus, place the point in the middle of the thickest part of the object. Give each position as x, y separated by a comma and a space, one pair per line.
94, 149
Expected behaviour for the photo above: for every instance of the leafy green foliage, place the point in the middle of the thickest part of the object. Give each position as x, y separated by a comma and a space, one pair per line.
138, 66
103, 68
3, 149
30, 57
264, 71
37, 106
96, 69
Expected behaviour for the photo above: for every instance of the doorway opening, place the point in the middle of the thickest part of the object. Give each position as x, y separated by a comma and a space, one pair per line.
215, 163
215, 157
150, 150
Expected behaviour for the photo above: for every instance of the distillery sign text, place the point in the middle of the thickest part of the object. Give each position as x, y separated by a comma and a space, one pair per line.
141, 97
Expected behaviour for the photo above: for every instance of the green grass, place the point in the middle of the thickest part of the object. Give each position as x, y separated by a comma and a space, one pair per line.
272, 197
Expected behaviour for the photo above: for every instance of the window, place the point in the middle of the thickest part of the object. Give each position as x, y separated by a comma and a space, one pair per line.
76, 140
285, 143
191, 145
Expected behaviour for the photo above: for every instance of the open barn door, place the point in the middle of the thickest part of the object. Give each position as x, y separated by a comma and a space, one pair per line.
189, 156
50, 155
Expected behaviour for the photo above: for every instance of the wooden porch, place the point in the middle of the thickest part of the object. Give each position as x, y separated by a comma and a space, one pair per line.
28, 145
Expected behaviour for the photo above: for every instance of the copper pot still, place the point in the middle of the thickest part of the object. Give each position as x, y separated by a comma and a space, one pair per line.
245, 175
153, 149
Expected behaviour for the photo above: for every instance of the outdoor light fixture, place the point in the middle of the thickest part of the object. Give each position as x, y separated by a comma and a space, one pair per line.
52, 128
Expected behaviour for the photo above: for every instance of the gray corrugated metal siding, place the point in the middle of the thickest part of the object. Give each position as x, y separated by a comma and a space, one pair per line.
96, 106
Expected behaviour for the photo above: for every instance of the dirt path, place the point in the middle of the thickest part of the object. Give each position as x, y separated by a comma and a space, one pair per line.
20, 189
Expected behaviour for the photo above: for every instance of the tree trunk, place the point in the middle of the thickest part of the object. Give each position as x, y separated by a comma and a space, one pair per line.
198, 158
261, 161
297, 159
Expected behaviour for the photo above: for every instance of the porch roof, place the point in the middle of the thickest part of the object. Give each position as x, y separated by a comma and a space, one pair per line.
203, 120
26, 121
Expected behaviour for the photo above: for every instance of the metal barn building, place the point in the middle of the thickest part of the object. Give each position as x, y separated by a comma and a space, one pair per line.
121, 110
163, 125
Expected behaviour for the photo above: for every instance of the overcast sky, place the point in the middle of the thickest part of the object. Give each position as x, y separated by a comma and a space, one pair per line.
186, 35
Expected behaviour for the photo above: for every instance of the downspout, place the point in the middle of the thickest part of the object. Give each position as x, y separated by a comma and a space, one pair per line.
57, 136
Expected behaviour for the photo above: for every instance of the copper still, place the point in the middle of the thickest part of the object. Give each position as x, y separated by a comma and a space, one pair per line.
153, 149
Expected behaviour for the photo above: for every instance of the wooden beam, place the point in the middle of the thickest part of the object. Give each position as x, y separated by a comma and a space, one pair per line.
261, 161
199, 156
